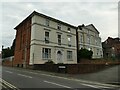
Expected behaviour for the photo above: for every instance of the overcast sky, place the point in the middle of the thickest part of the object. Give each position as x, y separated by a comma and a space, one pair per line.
104, 15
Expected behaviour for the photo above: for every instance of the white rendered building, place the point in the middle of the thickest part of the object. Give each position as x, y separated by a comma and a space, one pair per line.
52, 39
88, 37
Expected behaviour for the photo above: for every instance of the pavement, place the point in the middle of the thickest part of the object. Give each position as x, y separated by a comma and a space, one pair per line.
22, 78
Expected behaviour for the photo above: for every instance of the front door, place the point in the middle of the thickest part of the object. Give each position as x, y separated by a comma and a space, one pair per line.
59, 57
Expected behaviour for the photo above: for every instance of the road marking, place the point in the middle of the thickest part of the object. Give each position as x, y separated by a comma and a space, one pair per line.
33, 73
84, 81
95, 86
2, 85
24, 75
89, 85
9, 71
8, 84
57, 84
73, 79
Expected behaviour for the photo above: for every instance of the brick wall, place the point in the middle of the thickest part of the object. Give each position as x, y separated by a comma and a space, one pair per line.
111, 47
8, 61
73, 68
22, 44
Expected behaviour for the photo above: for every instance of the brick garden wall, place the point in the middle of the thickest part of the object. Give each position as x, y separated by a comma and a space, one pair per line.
81, 68
8, 61
73, 68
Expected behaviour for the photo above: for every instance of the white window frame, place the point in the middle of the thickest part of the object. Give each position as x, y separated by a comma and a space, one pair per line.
88, 39
69, 41
97, 52
47, 37
81, 46
69, 55
46, 53
47, 22
69, 29
59, 39
81, 38
59, 26
96, 42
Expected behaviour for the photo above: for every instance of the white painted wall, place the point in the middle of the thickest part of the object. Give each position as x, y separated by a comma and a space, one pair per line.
37, 41
94, 35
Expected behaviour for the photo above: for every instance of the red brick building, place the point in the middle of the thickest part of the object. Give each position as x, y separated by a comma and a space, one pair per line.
111, 48
22, 49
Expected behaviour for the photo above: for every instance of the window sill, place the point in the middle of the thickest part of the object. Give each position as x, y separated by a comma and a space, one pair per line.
46, 59
69, 59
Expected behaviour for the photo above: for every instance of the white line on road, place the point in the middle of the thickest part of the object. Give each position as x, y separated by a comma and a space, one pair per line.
84, 81
9, 71
33, 72
89, 85
8, 84
57, 84
2, 85
24, 75
79, 80
95, 86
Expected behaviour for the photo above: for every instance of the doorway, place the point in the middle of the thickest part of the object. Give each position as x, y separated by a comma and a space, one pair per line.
59, 57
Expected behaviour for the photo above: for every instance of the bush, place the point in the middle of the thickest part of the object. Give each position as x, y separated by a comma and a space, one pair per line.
85, 54
49, 62
60, 63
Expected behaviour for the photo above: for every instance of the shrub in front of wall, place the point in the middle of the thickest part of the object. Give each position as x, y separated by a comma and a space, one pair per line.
49, 62
85, 54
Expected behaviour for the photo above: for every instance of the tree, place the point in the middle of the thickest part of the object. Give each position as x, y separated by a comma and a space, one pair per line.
85, 54
9, 51
6, 52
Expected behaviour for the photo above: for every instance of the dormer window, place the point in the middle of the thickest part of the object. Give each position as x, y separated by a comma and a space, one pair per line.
59, 26
69, 30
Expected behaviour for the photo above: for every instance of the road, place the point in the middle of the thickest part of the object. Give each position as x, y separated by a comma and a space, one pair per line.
30, 79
